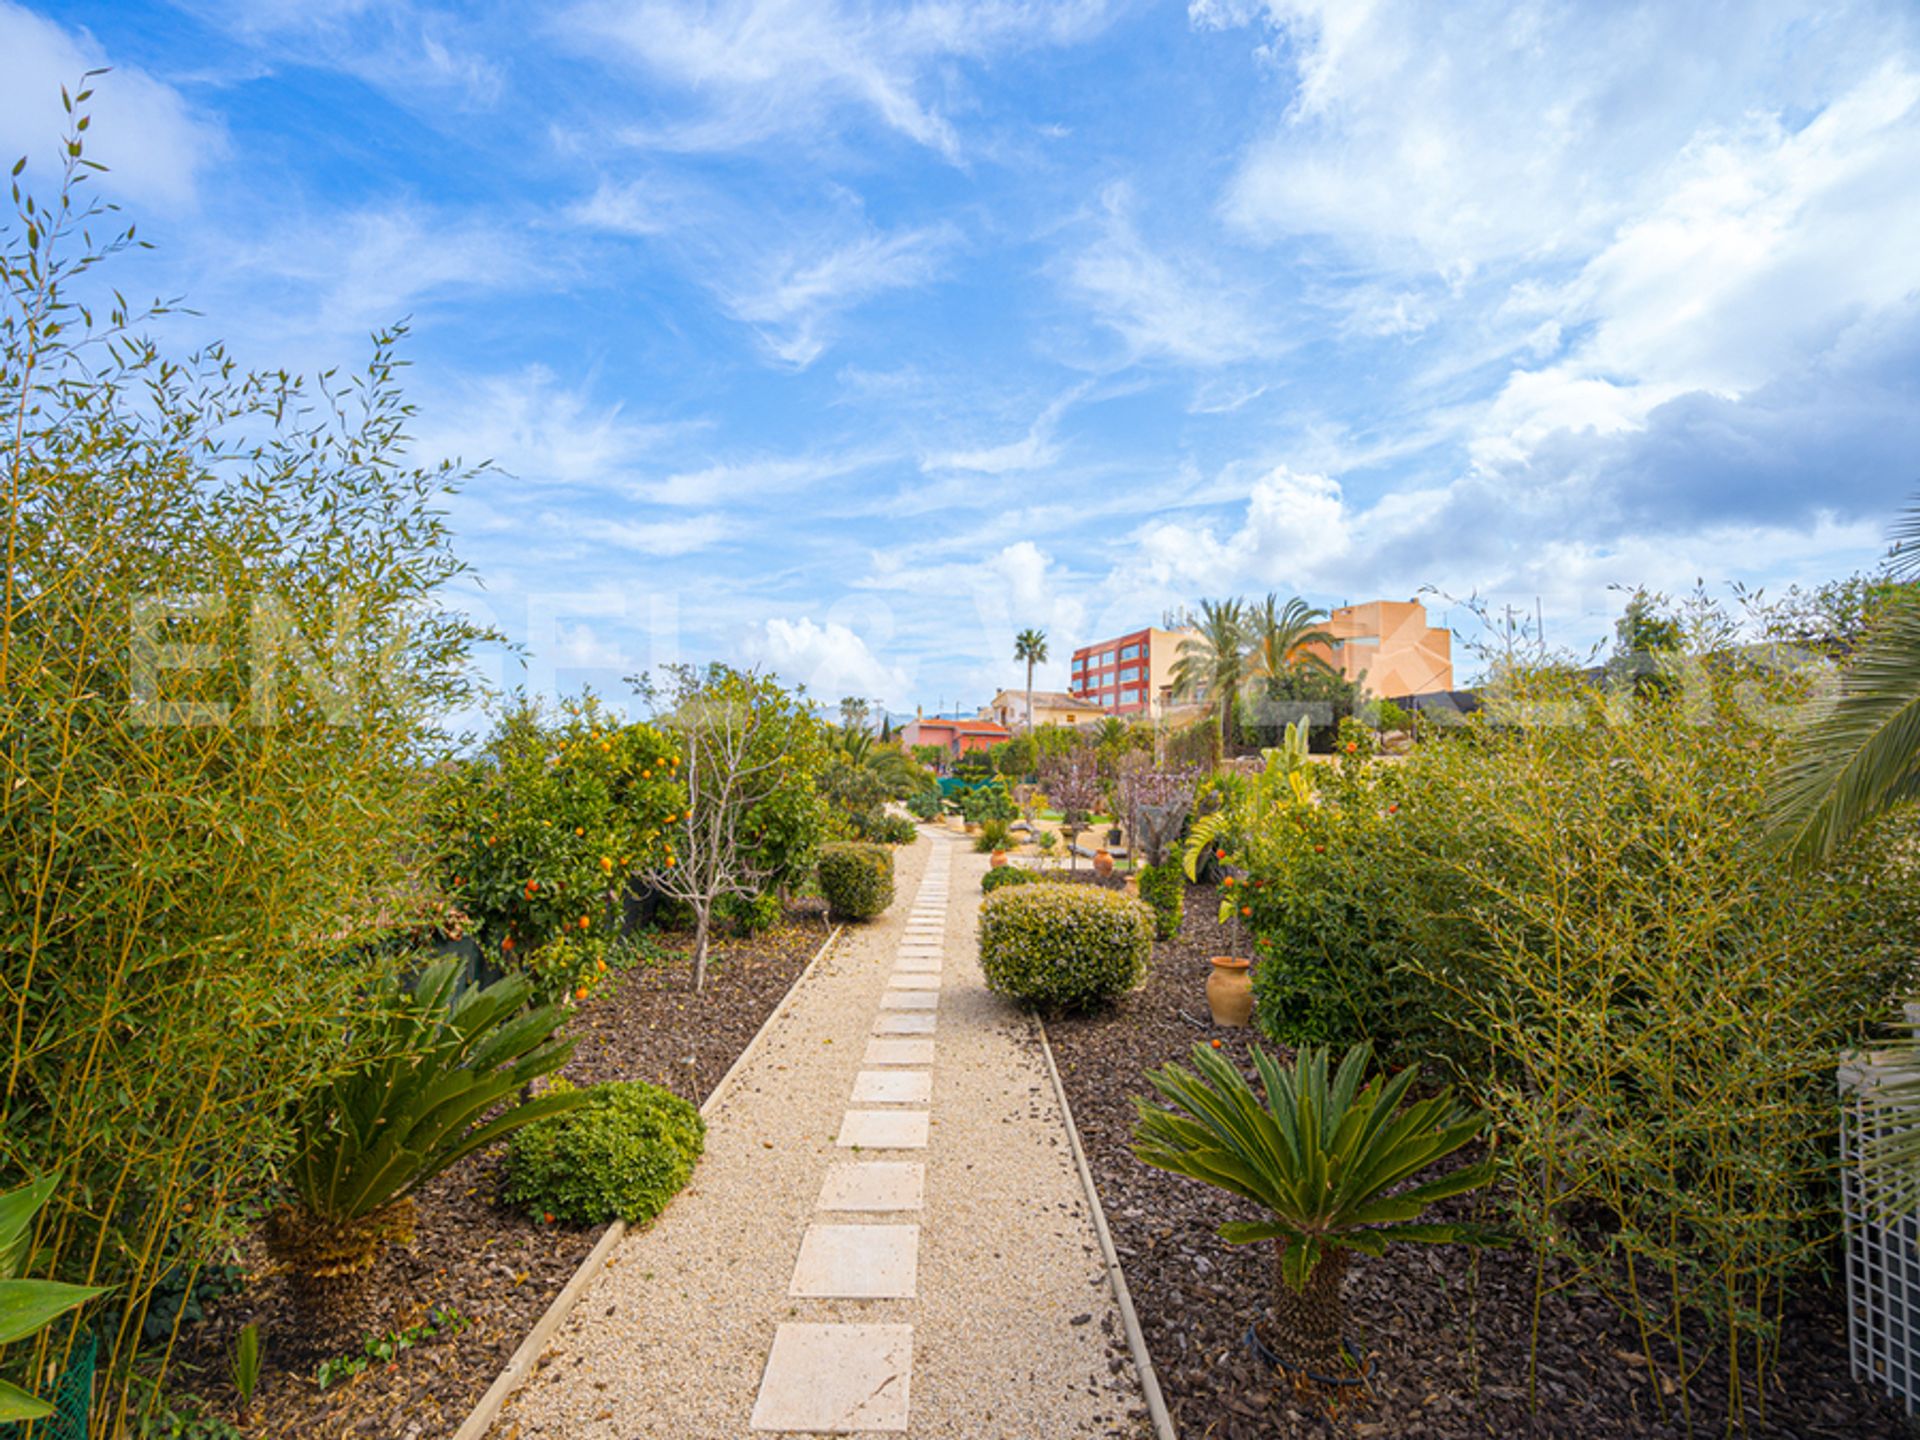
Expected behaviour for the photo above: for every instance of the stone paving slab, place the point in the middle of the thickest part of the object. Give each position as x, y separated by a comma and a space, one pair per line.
898, 1052
857, 1262
884, 1130
837, 1380
874, 1186
892, 1087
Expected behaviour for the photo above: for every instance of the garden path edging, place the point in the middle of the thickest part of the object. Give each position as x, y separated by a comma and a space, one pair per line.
527, 1355
1116, 1277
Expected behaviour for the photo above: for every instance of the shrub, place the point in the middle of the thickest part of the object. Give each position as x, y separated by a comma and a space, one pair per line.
1064, 947
894, 830
994, 835
856, 879
1164, 888
622, 1155
750, 914
925, 804
1006, 875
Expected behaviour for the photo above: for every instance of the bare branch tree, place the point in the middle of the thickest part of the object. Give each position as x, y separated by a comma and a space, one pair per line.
733, 726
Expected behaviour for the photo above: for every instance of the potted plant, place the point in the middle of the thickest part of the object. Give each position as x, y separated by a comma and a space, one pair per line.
1327, 1159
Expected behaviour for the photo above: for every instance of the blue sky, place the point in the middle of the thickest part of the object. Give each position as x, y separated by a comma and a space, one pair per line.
849, 339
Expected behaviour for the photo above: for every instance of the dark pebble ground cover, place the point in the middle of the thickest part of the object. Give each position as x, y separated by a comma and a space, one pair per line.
1449, 1330
491, 1264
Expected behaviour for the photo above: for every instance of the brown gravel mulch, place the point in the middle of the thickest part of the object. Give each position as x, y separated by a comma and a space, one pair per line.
485, 1261
1449, 1328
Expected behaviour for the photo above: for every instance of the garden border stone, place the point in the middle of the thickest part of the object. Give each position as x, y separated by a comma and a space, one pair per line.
524, 1358
1116, 1277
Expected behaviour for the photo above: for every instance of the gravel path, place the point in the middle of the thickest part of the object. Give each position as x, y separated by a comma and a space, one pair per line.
795, 1288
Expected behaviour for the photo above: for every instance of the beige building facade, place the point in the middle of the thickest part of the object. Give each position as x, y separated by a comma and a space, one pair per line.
1389, 645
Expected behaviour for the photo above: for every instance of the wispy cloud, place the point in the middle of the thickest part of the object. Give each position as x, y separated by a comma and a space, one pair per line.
1032, 451
756, 69
1179, 309
797, 300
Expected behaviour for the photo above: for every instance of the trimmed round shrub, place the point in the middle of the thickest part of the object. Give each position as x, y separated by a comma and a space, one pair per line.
1165, 889
623, 1155
1064, 947
857, 880
1006, 875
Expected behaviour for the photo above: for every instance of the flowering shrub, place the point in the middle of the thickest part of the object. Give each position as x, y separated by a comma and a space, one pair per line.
541, 831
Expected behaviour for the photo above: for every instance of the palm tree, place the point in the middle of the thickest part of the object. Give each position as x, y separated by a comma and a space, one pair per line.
1213, 660
1030, 646
1285, 636
1863, 757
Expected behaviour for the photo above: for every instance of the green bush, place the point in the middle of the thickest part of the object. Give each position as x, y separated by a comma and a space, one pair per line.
1165, 889
622, 1155
894, 830
1064, 947
750, 914
994, 835
925, 804
1006, 875
856, 879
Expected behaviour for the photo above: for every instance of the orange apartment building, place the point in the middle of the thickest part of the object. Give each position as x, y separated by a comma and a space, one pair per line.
1390, 646
1128, 674
1386, 644
954, 735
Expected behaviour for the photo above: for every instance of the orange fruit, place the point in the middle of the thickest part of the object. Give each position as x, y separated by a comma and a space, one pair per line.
584, 922
579, 829
1246, 910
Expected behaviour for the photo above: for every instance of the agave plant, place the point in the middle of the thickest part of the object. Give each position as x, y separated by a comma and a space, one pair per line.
28, 1306
1325, 1158
443, 1064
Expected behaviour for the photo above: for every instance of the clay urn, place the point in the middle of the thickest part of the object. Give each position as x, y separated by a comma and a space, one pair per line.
998, 859
1230, 991
1102, 864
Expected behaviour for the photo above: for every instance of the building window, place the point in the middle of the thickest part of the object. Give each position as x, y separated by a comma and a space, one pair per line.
1106, 657
1130, 652
1129, 674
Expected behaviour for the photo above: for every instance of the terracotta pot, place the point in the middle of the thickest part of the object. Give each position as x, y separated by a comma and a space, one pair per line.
1102, 863
1230, 991
1133, 884
998, 859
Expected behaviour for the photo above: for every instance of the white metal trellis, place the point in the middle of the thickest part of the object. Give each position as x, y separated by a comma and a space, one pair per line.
1883, 1242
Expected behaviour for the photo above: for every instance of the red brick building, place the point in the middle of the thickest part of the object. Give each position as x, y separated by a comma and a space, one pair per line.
1129, 673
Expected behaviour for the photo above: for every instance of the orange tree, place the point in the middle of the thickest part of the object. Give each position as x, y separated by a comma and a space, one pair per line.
543, 828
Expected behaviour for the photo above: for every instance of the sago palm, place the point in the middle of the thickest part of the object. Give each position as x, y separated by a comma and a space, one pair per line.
1326, 1158
1030, 646
443, 1079
1212, 661
1283, 637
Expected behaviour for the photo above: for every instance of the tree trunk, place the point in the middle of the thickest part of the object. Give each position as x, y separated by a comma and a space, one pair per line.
702, 922
1307, 1324
1030, 695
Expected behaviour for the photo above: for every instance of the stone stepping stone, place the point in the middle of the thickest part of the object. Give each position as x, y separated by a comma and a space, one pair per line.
892, 1087
909, 1000
917, 965
883, 1130
898, 1052
912, 981
857, 1262
836, 1379
890, 1024
874, 1185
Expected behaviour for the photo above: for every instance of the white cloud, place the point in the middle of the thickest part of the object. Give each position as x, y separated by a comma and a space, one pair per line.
684, 536
831, 660
799, 296
1033, 451
1183, 310
1295, 533
750, 479
154, 144
763, 68
536, 429
1453, 137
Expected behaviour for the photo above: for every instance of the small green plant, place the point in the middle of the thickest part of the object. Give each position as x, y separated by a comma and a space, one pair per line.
857, 880
1064, 947
624, 1153
28, 1307
994, 835
1325, 1159
440, 1065
1164, 888
925, 804
1006, 875
893, 830
245, 1366
1046, 841
386, 1349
